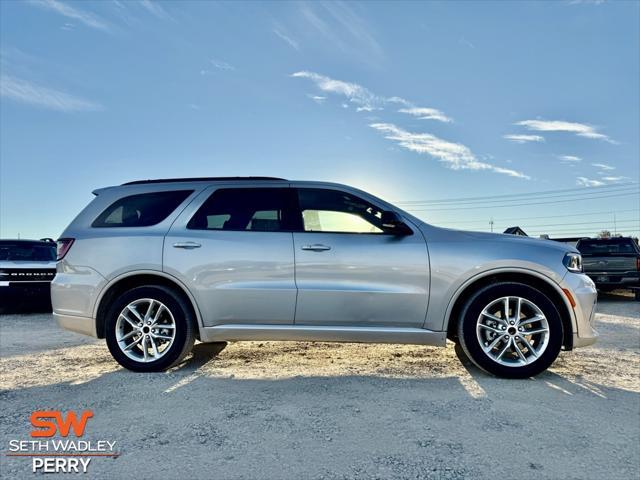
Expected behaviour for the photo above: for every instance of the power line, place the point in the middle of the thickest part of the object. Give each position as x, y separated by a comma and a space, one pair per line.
603, 222
601, 189
609, 212
576, 196
522, 204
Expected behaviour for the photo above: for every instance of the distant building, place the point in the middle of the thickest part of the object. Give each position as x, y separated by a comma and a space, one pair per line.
568, 240
516, 231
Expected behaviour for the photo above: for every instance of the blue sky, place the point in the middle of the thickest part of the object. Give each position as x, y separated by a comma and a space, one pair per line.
413, 101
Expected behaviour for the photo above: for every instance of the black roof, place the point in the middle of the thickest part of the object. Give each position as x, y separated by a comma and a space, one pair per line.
200, 179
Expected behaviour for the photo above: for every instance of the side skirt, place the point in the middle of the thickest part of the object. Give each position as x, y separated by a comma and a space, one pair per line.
313, 333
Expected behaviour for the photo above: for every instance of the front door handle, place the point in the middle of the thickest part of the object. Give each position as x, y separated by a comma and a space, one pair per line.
316, 247
187, 245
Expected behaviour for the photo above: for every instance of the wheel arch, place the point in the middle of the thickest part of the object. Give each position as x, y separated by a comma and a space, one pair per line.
534, 279
130, 280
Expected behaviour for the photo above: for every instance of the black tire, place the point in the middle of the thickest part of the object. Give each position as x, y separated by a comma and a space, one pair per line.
184, 328
471, 344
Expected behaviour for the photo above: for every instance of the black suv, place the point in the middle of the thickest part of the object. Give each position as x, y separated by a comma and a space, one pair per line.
26, 270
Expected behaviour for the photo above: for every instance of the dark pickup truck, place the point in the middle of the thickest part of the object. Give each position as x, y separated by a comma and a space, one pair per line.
612, 262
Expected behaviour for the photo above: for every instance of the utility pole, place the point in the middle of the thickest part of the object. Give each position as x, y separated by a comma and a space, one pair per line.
615, 225
491, 224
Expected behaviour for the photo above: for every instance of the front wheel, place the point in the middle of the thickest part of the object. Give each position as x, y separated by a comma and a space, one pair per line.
149, 329
511, 330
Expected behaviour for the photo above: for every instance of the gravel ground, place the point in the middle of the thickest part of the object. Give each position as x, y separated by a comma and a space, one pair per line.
333, 411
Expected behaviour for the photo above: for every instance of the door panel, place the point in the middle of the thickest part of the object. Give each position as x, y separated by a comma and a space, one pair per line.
239, 268
363, 280
351, 270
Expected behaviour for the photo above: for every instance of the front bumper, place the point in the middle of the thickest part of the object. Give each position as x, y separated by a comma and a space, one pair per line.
36, 294
584, 292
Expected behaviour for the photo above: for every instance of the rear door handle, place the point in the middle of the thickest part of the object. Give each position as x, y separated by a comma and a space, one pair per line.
187, 245
316, 247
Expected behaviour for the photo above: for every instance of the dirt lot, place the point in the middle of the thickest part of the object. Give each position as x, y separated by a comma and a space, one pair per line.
333, 411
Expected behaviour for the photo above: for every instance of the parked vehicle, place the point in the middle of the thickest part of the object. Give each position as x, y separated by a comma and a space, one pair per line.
153, 265
26, 270
612, 262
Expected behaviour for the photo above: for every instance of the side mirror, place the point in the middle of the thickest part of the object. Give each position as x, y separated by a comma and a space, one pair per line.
392, 222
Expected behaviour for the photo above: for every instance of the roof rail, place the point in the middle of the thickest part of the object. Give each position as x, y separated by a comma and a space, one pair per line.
200, 179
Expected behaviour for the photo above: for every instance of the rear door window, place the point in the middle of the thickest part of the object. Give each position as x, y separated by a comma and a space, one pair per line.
613, 246
248, 209
141, 210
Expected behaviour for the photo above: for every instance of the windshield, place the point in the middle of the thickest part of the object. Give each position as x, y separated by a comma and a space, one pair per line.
28, 252
607, 247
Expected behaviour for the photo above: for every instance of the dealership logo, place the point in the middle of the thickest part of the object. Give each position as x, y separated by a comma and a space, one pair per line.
62, 425
68, 453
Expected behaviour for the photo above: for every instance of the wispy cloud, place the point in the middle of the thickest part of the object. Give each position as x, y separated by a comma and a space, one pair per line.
367, 101
524, 138
424, 113
292, 43
343, 27
317, 98
580, 129
29, 93
89, 19
587, 182
455, 155
220, 65
615, 179
603, 166
156, 9
569, 158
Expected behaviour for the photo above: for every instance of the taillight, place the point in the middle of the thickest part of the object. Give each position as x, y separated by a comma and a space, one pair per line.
638, 264
63, 244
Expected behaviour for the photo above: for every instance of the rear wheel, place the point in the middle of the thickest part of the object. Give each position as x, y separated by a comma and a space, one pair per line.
149, 329
511, 330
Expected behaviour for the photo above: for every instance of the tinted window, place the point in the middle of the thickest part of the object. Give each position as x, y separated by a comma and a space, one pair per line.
607, 247
256, 209
335, 211
28, 252
141, 210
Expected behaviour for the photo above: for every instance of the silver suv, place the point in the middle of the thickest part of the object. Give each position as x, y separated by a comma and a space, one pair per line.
154, 265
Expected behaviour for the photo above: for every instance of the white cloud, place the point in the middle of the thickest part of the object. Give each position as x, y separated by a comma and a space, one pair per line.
586, 182
26, 92
317, 98
603, 166
364, 99
580, 129
354, 92
615, 179
220, 65
89, 19
455, 155
426, 114
341, 26
292, 43
524, 138
156, 9
569, 158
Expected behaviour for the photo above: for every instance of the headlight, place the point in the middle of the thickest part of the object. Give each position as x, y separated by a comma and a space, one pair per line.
573, 262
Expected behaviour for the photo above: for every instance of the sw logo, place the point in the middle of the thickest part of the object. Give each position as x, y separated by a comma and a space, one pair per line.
48, 428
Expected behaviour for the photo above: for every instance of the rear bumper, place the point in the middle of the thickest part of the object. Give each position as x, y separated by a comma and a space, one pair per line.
82, 325
15, 293
620, 279
585, 295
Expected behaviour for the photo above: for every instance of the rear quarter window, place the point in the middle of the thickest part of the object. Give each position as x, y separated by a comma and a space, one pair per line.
141, 210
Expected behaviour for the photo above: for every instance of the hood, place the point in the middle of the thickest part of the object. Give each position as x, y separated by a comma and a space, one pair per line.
449, 234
